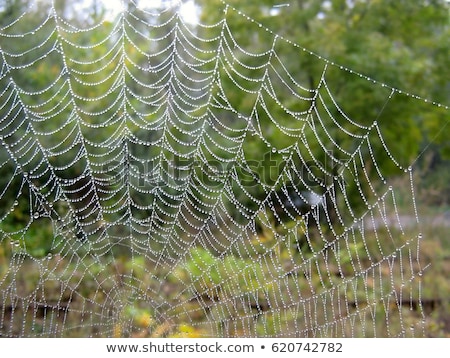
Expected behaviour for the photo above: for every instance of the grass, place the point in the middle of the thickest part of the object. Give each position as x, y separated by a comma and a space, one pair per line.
264, 287
70, 296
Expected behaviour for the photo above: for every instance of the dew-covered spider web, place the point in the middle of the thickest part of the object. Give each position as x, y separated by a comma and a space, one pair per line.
163, 178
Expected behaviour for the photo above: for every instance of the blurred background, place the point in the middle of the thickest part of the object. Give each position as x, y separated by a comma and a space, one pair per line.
81, 108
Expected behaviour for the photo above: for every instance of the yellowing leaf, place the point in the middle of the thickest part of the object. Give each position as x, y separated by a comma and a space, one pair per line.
144, 320
117, 332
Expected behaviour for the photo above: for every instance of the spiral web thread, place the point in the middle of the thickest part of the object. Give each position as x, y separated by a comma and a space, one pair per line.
144, 210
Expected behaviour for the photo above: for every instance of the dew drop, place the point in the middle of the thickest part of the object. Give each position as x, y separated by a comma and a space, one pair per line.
274, 150
36, 215
16, 203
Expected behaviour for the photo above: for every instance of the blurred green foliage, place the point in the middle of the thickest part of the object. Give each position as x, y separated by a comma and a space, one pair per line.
401, 43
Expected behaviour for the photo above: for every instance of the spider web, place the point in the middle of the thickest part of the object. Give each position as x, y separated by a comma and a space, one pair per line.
167, 179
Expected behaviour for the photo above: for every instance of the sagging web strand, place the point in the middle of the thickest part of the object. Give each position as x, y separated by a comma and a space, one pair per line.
136, 152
